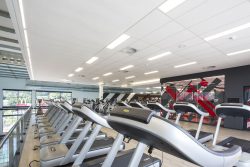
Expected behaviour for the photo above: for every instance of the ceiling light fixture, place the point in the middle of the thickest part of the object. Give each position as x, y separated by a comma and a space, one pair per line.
159, 56
124, 85
107, 74
78, 69
95, 78
71, 75
147, 88
91, 60
26, 37
170, 4
238, 52
118, 41
157, 87
227, 32
151, 81
126, 67
186, 64
151, 72
116, 80
130, 77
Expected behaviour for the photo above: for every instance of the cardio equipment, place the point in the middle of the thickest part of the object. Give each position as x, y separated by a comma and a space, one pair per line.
143, 126
184, 107
64, 153
114, 158
233, 110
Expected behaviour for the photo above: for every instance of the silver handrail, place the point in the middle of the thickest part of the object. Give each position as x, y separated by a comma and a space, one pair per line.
13, 128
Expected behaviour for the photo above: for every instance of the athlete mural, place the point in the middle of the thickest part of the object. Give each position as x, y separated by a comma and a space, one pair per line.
205, 93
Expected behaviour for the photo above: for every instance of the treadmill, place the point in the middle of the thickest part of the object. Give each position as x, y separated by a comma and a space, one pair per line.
235, 110
70, 132
114, 158
137, 105
157, 107
61, 154
160, 133
184, 107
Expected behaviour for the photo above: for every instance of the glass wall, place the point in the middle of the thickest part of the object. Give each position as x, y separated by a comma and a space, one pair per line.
16, 98
48, 95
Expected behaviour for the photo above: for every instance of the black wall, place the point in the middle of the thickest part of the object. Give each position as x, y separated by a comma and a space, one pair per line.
235, 79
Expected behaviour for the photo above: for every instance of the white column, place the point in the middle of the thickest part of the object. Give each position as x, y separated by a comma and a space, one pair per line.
100, 90
33, 97
1, 111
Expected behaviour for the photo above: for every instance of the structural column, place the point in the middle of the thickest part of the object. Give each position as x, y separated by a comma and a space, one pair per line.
100, 90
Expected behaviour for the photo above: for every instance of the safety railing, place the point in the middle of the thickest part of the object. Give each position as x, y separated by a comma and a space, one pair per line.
12, 144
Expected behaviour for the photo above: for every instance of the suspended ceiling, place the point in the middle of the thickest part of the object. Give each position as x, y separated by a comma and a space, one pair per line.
63, 35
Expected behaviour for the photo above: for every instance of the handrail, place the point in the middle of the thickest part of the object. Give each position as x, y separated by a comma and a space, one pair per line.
13, 128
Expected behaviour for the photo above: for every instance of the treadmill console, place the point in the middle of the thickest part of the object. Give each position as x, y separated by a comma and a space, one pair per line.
138, 114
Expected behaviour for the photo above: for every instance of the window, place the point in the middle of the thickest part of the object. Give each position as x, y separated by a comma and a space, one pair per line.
49, 95
16, 98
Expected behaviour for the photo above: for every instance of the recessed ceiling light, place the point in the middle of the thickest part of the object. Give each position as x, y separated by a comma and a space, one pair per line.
78, 69
154, 92
157, 87
130, 77
170, 4
147, 88
186, 64
124, 85
118, 41
107, 74
91, 60
126, 67
146, 82
116, 80
151, 72
66, 80
141, 92
227, 32
95, 78
71, 75
159, 56
238, 52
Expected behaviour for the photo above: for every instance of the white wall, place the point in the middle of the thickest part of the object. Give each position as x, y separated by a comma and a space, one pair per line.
11, 83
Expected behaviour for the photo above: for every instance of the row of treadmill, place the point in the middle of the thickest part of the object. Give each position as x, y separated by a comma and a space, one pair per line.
72, 136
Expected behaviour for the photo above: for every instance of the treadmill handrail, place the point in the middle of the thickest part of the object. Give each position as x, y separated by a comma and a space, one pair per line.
193, 107
139, 105
162, 107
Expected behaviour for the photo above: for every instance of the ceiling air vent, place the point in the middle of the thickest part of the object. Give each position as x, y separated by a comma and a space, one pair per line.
129, 50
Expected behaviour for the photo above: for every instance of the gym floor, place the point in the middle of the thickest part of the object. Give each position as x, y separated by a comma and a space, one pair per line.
172, 161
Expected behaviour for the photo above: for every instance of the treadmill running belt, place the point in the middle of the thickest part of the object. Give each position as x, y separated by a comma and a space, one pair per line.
229, 142
122, 159
98, 144
201, 135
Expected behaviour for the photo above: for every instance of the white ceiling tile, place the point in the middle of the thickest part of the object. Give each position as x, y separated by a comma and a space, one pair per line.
209, 8
163, 32
150, 23
236, 16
